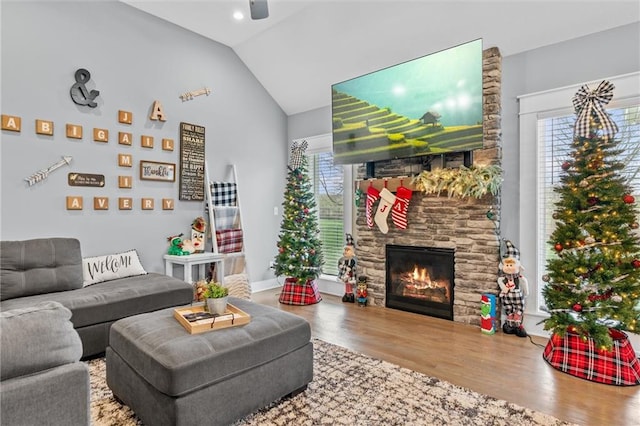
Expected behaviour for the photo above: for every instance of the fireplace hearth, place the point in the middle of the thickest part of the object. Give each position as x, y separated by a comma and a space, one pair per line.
420, 280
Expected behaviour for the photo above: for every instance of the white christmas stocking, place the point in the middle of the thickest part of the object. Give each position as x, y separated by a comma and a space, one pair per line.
384, 207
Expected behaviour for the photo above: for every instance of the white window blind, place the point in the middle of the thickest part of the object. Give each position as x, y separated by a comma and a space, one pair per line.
334, 195
328, 187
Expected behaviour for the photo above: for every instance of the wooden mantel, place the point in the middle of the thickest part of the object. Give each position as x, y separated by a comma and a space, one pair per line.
391, 183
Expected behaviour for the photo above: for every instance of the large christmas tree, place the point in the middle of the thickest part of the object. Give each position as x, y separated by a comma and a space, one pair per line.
299, 246
593, 284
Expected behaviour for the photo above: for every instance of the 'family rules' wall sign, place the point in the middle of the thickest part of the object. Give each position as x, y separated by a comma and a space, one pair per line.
191, 162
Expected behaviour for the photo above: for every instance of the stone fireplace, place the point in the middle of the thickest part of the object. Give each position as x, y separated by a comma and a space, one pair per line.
460, 226
420, 279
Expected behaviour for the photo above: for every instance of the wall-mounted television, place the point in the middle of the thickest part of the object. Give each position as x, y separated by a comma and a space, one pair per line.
425, 106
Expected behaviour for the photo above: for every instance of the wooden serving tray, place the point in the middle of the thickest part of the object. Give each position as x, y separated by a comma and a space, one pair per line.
195, 320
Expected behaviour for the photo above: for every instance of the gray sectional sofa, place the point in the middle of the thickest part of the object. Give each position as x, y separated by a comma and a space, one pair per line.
51, 269
42, 380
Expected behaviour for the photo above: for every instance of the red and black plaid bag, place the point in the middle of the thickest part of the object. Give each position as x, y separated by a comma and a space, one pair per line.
574, 355
229, 240
299, 294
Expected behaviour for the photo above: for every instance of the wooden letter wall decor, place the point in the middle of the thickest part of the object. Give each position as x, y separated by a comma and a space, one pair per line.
156, 112
44, 127
125, 203
147, 204
150, 170
79, 92
125, 117
100, 203
101, 135
74, 131
10, 122
74, 203
125, 138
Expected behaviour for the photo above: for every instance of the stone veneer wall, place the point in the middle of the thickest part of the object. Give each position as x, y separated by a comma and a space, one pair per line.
440, 221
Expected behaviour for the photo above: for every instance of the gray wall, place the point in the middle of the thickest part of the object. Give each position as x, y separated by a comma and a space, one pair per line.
600, 55
134, 59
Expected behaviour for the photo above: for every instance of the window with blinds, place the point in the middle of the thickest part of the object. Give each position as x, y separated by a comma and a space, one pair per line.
328, 184
555, 136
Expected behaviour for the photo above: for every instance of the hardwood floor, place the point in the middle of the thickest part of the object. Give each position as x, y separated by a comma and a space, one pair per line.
503, 366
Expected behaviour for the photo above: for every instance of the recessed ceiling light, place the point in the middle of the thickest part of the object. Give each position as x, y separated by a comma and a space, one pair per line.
238, 15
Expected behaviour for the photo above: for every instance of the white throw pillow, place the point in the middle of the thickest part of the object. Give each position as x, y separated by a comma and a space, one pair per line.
111, 267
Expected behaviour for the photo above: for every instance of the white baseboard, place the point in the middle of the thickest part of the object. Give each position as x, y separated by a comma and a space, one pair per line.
258, 286
325, 285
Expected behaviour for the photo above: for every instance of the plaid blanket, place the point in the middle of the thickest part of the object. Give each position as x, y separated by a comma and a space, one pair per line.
229, 240
577, 357
224, 193
226, 217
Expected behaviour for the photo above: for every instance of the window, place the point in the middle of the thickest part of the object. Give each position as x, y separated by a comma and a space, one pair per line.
332, 189
546, 134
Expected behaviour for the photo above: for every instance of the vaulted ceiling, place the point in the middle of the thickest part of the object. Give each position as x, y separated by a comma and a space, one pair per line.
304, 46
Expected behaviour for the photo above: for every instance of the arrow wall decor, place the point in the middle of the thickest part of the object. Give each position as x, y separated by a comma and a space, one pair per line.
44, 173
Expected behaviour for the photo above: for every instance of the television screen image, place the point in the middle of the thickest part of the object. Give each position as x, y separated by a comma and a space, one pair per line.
429, 105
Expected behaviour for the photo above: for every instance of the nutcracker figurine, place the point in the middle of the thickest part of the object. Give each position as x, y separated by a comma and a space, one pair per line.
361, 292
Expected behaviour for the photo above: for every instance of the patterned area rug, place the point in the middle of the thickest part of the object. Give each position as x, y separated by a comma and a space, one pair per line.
353, 389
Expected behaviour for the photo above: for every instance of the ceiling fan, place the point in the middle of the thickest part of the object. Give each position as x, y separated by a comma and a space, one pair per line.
259, 9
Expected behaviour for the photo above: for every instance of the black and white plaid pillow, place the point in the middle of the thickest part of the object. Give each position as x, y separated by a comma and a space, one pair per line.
224, 193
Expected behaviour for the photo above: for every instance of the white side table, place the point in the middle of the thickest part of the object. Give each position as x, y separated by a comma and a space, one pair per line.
199, 259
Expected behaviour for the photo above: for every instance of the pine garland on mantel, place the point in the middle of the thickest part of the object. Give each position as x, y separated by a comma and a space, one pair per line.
474, 181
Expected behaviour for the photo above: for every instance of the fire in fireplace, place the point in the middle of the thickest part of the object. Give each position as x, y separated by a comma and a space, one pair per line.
420, 280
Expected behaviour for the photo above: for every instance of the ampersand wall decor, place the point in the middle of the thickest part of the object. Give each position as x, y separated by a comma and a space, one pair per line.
79, 92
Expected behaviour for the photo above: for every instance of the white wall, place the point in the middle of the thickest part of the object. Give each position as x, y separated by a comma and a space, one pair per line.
134, 59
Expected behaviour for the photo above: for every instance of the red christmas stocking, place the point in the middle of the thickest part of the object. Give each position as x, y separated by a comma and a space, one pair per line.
372, 195
384, 207
400, 207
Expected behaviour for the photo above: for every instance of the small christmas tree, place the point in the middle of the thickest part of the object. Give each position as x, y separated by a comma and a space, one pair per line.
593, 284
299, 246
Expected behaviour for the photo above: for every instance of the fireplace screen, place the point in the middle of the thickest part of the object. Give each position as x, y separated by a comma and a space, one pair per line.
420, 279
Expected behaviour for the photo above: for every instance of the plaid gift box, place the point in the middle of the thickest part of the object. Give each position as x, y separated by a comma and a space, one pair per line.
299, 294
574, 355
229, 240
224, 193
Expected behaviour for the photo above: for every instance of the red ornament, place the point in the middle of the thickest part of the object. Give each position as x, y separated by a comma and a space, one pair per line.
558, 247
628, 199
577, 307
636, 263
566, 165
592, 201
281, 249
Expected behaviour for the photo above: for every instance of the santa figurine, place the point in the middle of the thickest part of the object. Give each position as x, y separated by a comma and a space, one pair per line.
347, 272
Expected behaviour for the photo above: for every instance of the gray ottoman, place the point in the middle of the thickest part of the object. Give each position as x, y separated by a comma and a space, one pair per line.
170, 377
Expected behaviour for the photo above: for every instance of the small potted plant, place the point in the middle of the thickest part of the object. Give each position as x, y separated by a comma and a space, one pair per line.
216, 297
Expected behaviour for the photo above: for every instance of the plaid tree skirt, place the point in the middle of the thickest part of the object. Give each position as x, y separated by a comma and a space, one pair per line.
299, 294
573, 355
